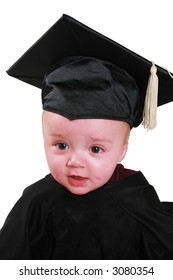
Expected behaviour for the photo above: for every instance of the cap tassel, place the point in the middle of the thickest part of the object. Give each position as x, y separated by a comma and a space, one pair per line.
150, 106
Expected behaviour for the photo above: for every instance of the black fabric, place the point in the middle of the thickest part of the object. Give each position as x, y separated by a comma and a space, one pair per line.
123, 220
85, 87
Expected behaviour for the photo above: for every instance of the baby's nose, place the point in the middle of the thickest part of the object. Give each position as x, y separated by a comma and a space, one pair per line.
76, 161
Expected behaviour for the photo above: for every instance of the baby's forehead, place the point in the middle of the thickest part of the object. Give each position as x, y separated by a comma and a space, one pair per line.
54, 122
60, 119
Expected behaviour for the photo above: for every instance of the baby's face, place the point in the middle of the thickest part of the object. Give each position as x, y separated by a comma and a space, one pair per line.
82, 154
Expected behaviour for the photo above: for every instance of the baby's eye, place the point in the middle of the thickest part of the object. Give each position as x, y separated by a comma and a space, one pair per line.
96, 149
62, 146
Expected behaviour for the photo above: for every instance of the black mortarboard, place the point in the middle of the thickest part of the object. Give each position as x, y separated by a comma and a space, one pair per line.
84, 74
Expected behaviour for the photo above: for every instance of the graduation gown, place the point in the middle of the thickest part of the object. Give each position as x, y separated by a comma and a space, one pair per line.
123, 219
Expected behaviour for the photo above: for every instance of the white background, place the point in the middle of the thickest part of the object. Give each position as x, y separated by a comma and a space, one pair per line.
142, 26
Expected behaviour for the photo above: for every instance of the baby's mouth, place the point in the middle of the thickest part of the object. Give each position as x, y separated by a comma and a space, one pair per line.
77, 181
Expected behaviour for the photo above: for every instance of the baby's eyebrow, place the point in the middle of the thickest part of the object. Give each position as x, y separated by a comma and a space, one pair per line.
96, 139
57, 135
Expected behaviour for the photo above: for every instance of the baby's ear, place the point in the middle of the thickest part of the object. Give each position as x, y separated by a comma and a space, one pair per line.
123, 152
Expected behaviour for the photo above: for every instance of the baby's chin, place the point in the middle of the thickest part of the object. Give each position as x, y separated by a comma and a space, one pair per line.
78, 186
80, 190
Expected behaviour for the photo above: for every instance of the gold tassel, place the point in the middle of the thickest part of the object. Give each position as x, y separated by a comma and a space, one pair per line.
150, 106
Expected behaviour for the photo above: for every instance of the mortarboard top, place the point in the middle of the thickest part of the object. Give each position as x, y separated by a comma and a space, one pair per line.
68, 37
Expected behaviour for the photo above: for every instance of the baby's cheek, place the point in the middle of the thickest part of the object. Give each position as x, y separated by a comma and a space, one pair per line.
104, 175
54, 165
108, 171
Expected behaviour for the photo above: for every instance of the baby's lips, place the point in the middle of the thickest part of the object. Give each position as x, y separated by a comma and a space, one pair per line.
77, 181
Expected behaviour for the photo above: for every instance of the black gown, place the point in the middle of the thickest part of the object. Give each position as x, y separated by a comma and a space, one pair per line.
120, 220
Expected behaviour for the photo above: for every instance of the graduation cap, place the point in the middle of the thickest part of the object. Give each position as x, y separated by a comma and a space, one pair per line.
84, 74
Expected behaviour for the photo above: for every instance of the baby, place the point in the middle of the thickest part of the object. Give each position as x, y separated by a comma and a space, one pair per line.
82, 154
89, 206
